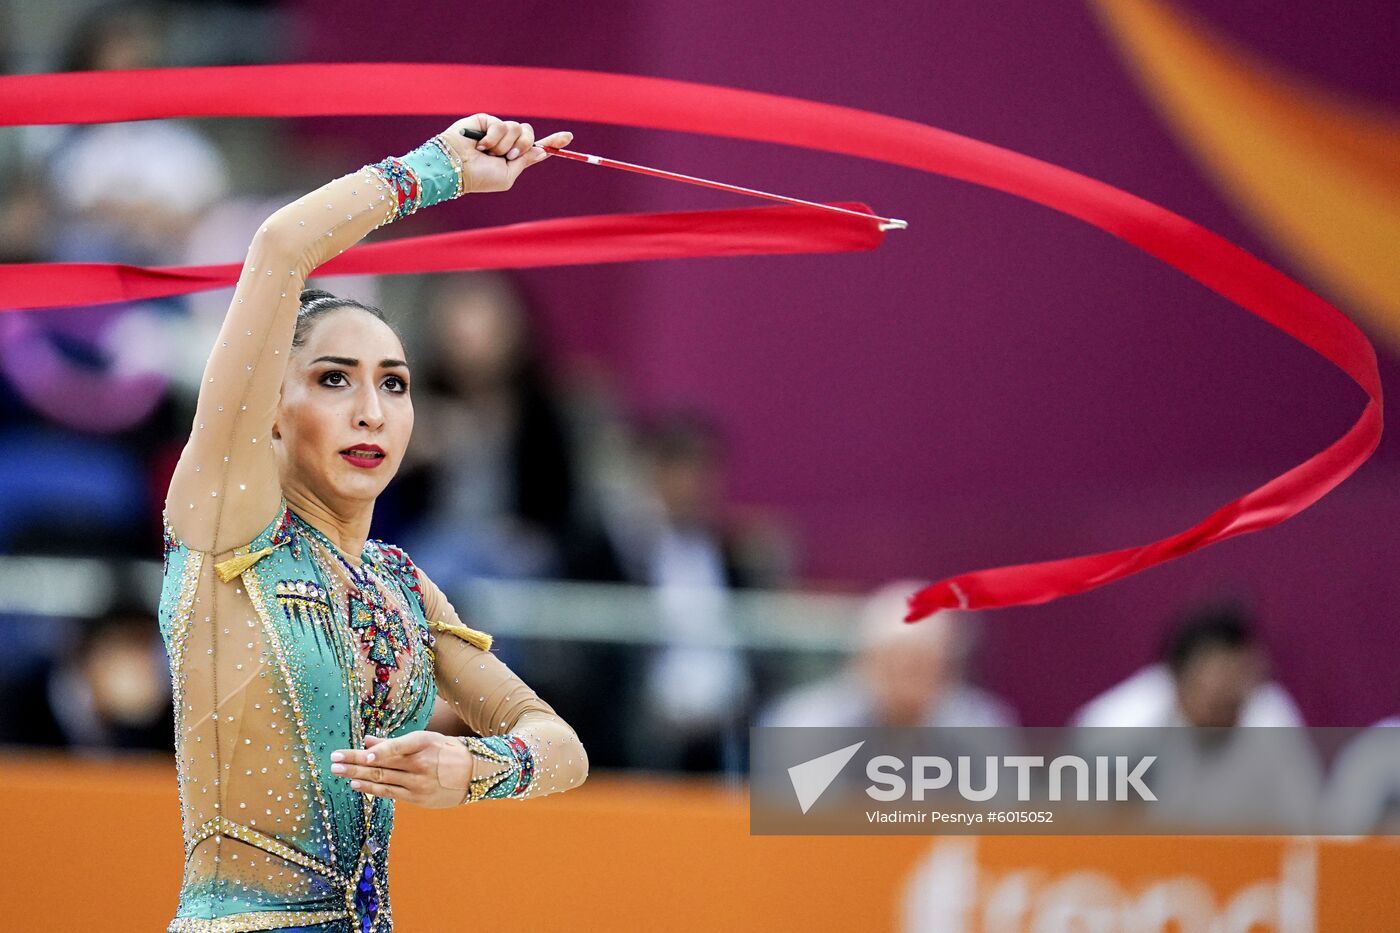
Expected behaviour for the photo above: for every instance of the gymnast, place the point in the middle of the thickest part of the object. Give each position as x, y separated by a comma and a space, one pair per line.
305, 657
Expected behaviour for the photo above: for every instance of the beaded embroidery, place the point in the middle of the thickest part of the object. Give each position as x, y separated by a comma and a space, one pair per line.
428, 175
361, 904
176, 634
261, 920
169, 543
513, 780
365, 902
381, 629
439, 174
401, 566
306, 603
403, 182
286, 532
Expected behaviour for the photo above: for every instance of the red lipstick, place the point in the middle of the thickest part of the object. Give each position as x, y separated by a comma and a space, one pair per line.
364, 456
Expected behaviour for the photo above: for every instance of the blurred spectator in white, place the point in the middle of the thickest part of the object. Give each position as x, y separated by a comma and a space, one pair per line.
1213, 673
902, 675
1210, 772
128, 192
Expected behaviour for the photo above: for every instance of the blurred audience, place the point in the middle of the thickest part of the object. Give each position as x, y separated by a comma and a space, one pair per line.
498, 485
901, 675
128, 192
110, 690
1210, 771
676, 533
1363, 794
85, 392
491, 488
673, 524
1213, 672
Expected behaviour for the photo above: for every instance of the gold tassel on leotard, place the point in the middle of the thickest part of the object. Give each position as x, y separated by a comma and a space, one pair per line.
469, 635
235, 565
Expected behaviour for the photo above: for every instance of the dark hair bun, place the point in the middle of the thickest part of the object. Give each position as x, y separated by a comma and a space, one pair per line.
316, 303
309, 295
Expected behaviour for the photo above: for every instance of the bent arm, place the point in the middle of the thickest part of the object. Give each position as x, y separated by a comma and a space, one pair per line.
494, 702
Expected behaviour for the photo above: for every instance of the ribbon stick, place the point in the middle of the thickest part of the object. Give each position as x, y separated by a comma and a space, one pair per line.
886, 223
657, 103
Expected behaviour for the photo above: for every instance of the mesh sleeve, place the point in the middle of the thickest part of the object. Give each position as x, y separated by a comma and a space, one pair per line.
225, 487
493, 701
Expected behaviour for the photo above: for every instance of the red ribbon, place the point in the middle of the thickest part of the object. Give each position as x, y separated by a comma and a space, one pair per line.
564, 241
656, 103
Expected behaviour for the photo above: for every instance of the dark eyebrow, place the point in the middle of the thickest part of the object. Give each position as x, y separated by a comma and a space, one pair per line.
347, 361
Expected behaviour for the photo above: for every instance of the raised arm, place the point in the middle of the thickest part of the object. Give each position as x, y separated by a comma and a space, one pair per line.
226, 487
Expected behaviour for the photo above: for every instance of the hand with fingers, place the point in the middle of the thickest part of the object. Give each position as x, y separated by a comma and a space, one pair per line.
495, 161
424, 768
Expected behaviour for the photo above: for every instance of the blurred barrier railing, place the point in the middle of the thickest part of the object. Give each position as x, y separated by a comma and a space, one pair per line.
66, 586
632, 614
759, 620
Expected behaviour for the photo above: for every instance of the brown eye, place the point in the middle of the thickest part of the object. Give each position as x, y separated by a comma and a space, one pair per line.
395, 384
329, 379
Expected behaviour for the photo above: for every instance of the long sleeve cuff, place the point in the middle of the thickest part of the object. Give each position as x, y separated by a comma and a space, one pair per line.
515, 775
428, 175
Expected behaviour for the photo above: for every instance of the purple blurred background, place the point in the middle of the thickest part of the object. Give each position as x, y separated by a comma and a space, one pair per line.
999, 384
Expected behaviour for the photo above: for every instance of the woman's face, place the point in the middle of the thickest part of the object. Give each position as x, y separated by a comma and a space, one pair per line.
345, 415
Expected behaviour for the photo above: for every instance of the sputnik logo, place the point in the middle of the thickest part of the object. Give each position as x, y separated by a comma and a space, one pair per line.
811, 778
